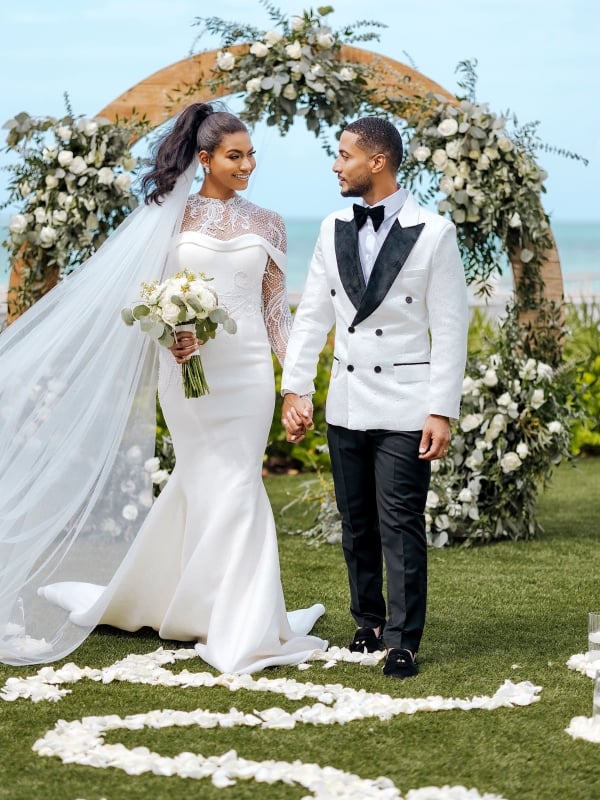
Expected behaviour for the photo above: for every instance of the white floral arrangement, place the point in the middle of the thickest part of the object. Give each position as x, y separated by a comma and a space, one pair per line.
487, 180
513, 430
184, 301
73, 184
293, 69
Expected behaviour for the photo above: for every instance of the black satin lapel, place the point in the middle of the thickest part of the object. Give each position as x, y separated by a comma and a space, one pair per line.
394, 252
346, 253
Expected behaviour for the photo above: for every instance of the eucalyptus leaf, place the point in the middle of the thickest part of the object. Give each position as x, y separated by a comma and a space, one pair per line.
140, 311
156, 330
178, 301
218, 315
127, 316
230, 325
167, 338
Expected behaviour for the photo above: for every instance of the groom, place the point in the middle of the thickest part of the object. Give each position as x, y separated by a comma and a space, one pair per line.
387, 273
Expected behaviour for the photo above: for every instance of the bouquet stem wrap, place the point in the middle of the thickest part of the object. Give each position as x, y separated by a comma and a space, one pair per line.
192, 371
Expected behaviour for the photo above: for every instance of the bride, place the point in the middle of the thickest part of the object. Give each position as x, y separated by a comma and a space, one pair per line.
78, 423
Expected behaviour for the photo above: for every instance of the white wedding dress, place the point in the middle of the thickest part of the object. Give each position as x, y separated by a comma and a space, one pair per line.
204, 566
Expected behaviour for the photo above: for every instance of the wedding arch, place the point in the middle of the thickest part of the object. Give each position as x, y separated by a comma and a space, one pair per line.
153, 98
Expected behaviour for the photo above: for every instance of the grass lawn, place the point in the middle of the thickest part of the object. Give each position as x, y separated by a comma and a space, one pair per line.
510, 610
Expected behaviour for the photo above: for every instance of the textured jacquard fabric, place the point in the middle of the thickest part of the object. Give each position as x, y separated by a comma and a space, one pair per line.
235, 217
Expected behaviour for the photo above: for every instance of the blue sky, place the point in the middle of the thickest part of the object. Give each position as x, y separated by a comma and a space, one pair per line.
538, 58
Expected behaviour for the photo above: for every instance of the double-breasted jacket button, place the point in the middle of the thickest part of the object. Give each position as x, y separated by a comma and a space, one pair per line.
350, 368
378, 332
377, 368
409, 299
332, 292
351, 329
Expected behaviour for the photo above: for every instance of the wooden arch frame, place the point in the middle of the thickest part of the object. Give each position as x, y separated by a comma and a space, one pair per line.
153, 96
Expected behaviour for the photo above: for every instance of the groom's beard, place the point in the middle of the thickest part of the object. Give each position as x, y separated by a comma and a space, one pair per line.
359, 188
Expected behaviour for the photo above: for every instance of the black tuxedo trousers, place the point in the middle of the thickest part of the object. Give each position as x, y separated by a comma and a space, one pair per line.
381, 487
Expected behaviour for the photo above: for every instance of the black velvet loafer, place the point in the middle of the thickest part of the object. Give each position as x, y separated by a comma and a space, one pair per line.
365, 639
400, 663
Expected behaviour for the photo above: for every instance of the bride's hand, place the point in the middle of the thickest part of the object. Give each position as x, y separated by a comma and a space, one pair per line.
184, 346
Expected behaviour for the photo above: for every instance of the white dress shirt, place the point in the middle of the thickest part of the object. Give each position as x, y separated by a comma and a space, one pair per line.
370, 240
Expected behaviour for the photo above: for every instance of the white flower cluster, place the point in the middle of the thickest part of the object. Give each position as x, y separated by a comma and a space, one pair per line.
489, 181
513, 427
297, 71
74, 186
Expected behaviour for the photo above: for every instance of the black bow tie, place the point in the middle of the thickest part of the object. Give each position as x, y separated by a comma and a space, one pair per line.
362, 212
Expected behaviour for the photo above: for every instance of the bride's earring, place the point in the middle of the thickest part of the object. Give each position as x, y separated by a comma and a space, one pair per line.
206, 170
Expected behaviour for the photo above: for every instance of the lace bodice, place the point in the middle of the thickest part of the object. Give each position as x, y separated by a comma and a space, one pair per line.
225, 220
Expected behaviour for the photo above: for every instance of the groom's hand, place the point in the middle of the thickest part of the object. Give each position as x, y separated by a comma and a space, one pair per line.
296, 417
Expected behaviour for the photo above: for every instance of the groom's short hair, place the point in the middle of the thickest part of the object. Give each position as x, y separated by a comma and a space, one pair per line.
379, 136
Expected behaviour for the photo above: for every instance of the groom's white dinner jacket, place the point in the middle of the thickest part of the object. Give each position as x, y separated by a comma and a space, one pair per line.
400, 340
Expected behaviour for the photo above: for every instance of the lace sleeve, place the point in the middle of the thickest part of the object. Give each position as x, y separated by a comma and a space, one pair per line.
276, 309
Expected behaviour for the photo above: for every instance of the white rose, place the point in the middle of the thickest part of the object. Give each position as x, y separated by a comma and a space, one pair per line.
505, 400
465, 495
483, 163
129, 512
129, 163
470, 422
537, 398
294, 50
161, 476
170, 313
468, 385
555, 427
290, 92
152, 464
475, 460
442, 522
25, 189
122, 181
458, 182
453, 149
49, 153
51, 181
490, 378
65, 133
105, 176
529, 370
544, 371
432, 499
259, 49
40, 216
325, 40
59, 216
459, 215
447, 184
253, 85
89, 127
225, 61
18, 223
522, 450
65, 157
510, 461
514, 221
47, 236
495, 428
208, 299
505, 144
78, 166
316, 70
448, 127
347, 74
297, 23
439, 158
272, 37
422, 153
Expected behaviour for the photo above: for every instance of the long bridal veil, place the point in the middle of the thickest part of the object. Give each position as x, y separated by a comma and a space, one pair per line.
77, 423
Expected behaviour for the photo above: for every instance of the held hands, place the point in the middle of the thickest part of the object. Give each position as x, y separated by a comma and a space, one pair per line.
184, 346
435, 439
296, 417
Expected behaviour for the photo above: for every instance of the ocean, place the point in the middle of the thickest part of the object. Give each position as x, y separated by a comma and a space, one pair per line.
578, 246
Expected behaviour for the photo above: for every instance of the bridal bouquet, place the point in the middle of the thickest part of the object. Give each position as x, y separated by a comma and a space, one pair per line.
185, 301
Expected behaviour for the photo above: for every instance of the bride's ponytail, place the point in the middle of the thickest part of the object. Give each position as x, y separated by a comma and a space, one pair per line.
198, 127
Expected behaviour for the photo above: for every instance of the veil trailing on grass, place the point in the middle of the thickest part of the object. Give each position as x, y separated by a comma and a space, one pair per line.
77, 423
